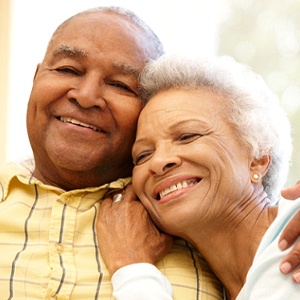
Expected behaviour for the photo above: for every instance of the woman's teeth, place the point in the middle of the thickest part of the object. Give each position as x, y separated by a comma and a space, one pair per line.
181, 185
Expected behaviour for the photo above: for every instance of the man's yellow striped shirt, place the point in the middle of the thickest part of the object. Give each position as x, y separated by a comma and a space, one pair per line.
49, 250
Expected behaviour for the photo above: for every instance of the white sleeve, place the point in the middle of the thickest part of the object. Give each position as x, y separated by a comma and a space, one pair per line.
141, 281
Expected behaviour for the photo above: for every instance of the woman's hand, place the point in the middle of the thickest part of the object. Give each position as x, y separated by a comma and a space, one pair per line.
289, 235
126, 234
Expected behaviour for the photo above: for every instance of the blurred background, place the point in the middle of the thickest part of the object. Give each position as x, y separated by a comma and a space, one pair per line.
264, 34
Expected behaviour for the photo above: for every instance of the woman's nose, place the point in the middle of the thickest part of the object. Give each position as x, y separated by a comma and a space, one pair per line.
88, 93
164, 161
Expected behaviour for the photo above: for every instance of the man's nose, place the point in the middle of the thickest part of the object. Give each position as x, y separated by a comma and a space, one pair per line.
89, 93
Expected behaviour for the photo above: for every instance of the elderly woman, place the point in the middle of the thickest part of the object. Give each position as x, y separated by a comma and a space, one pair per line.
211, 154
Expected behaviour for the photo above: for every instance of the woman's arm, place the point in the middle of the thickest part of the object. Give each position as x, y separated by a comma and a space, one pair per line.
130, 245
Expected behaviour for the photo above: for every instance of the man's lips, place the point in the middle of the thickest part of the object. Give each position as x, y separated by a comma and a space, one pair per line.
79, 123
178, 186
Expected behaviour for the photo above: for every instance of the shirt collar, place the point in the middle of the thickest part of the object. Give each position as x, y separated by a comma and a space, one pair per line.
23, 172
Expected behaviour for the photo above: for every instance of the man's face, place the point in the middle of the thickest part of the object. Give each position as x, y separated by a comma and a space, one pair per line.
83, 107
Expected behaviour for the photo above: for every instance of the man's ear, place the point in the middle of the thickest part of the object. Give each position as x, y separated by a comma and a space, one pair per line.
259, 167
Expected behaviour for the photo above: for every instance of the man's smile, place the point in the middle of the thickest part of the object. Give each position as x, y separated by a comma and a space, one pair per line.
76, 122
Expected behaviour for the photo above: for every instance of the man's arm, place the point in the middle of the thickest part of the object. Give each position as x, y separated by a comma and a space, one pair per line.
289, 235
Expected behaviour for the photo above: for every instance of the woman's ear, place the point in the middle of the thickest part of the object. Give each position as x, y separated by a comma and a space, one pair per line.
36, 70
259, 167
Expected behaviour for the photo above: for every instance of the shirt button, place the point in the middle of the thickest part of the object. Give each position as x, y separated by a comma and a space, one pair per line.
69, 200
60, 250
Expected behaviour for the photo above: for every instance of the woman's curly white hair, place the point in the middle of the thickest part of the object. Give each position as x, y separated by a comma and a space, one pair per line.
253, 109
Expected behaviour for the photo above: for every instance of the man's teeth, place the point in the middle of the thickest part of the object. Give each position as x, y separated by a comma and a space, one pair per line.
181, 185
73, 121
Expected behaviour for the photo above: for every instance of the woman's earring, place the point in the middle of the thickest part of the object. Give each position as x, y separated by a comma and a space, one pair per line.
255, 176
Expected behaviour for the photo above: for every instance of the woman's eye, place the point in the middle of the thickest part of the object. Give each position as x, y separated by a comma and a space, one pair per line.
141, 158
189, 136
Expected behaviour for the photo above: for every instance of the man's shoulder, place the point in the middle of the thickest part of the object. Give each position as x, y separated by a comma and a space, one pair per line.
24, 166
9, 171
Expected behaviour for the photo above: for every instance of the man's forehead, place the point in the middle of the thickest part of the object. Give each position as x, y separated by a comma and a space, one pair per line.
98, 18
84, 20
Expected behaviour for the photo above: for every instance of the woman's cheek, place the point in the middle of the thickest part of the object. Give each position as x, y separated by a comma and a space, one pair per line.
136, 181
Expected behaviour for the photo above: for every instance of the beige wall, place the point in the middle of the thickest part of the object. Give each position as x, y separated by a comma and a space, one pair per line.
4, 57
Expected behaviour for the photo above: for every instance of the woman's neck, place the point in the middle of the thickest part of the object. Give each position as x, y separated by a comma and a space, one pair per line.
229, 245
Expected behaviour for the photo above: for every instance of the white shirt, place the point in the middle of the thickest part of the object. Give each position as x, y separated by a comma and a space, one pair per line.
265, 280
141, 282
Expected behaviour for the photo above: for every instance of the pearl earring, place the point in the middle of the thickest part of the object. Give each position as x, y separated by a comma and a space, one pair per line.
255, 176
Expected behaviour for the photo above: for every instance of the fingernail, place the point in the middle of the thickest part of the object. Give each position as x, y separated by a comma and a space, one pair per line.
283, 245
296, 277
286, 267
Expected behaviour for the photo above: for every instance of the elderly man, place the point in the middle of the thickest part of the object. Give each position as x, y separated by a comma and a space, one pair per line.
81, 121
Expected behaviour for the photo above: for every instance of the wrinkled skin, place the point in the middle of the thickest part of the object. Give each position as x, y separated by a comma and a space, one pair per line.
196, 179
128, 235
116, 224
81, 121
82, 78
89, 74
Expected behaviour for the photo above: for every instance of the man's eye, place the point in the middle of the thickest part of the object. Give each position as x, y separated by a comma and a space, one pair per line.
68, 71
123, 86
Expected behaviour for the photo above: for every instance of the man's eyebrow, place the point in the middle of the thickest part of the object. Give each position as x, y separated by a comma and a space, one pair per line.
127, 69
69, 51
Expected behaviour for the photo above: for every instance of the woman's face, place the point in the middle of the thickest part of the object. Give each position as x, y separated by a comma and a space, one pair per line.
189, 165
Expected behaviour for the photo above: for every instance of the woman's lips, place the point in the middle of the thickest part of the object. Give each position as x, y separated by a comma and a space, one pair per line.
178, 186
